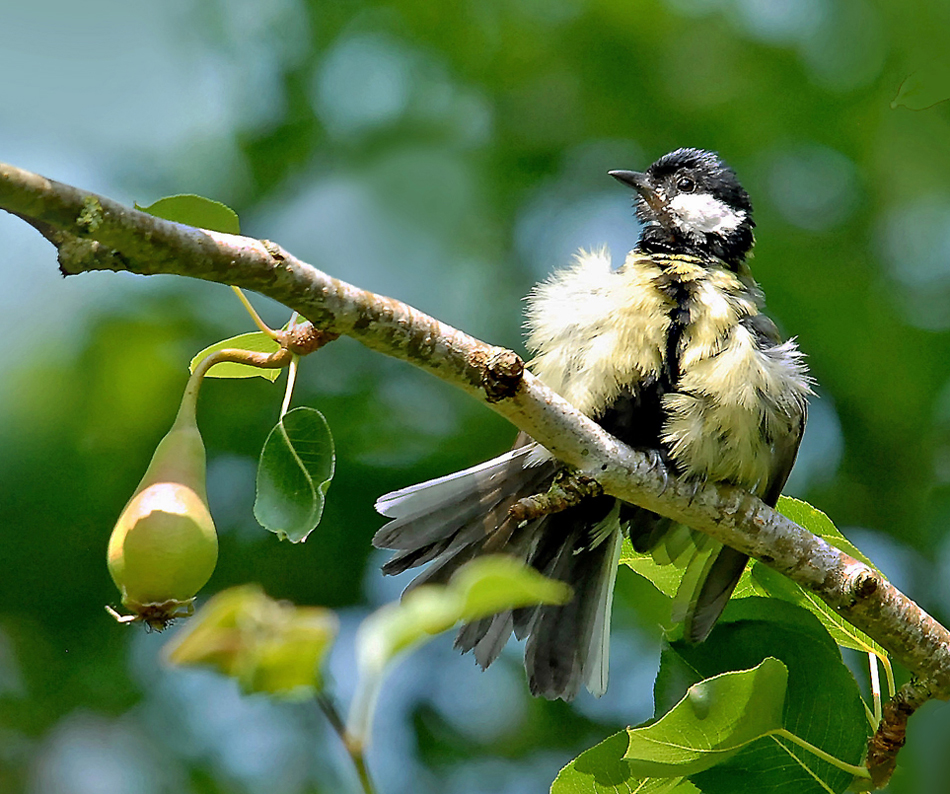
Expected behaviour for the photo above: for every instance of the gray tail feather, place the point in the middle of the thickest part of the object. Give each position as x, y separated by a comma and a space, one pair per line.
449, 519
568, 645
485, 637
453, 519
423, 497
714, 593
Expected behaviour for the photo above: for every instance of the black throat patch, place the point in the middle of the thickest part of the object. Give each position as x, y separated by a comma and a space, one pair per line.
731, 250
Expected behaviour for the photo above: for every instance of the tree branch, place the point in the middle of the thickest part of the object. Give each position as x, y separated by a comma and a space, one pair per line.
91, 232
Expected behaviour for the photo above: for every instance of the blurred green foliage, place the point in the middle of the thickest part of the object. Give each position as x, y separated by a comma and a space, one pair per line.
449, 155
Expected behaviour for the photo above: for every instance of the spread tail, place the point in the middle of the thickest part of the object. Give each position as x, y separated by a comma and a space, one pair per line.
450, 520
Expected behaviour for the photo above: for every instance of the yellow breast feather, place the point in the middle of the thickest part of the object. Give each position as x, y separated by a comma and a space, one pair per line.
596, 330
729, 406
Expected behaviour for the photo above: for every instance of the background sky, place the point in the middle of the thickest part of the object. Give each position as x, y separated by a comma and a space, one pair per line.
449, 155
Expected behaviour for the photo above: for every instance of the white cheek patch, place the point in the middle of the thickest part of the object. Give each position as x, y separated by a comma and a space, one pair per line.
700, 212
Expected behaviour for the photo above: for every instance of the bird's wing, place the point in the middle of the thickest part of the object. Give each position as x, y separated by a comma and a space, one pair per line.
714, 570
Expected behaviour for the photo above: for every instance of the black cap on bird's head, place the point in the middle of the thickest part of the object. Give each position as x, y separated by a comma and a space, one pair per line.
691, 202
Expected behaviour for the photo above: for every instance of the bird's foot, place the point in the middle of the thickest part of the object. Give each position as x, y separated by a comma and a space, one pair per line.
659, 464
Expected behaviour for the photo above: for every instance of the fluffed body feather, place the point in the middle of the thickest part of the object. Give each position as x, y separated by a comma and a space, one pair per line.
600, 333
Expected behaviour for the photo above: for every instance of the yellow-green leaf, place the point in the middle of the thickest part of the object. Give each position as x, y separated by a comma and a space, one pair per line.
268, 646
255, 342
482, 587
198, 211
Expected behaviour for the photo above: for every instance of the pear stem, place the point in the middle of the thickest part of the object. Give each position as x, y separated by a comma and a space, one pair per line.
189, 400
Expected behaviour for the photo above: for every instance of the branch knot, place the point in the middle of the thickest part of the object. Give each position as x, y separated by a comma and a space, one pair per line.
305, 338
501, 375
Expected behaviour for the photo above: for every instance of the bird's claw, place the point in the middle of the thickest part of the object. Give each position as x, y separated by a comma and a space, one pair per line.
657, 463
693, 486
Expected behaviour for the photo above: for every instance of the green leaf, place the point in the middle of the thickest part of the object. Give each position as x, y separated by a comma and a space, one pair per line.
204, 213
485, 586
818, 523
256, 342
482, 587
211, 637
268, 646
665, 578
843, 633
604, 770
666, 575
759, 580
823, 705
926, 87
289, 656
294, 473
775, 585
493, 584
715, 719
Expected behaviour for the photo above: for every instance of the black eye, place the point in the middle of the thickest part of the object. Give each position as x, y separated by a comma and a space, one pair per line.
685, 185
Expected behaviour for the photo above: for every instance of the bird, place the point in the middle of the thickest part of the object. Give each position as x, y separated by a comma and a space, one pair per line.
672, 354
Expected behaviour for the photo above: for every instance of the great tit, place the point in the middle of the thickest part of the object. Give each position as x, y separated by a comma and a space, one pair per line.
671, 353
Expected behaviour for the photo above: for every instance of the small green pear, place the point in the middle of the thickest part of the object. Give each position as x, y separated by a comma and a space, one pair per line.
164, 547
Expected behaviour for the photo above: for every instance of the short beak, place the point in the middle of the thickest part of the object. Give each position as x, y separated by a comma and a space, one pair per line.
641, 183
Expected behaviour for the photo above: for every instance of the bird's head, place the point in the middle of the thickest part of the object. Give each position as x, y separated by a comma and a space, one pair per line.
691, 202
